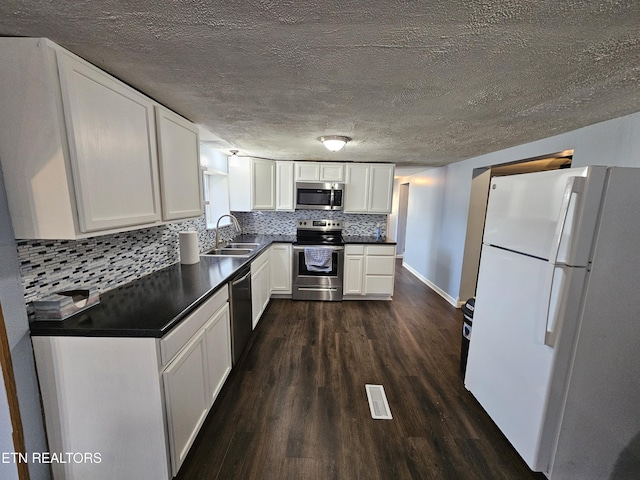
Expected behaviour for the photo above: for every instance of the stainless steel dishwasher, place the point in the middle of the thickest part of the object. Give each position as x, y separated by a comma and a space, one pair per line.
240, 296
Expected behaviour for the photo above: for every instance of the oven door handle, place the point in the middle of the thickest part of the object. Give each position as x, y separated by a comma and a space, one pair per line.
318, 289
329, 247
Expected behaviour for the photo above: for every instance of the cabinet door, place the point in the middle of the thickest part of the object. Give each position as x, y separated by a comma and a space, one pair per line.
332, 172
187, 397
280, 264
179, 158
353, 274
256, 294
265, 287
357, 189
218, 340
284, 186
112, 147
381, 188
307, 171
260, 286
263, 180
240, 183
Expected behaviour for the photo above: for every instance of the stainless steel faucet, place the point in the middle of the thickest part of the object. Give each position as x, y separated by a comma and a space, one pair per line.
235, 223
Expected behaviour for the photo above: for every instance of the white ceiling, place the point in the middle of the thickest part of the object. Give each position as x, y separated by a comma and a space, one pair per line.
412, 82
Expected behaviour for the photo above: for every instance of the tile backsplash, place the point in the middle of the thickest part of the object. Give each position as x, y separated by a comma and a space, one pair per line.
284, 223
108, 261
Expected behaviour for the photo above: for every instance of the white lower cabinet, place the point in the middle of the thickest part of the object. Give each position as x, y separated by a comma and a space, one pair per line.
260, 286
280, 264
186, 393
138, 402
193, 380
369, 271
218, 338
353, 270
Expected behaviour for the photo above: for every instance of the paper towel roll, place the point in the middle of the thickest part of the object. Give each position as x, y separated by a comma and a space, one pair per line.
189, 250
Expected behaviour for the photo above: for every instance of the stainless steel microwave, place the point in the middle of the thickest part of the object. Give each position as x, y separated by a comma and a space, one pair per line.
319, 196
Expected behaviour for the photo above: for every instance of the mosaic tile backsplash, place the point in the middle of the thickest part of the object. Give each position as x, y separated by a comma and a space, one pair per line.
108, 261
284, 223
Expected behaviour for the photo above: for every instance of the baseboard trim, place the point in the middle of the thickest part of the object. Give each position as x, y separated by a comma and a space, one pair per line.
432, 286
281, 295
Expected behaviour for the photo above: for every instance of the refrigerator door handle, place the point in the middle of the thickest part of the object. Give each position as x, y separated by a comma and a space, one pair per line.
560, 278
575, 185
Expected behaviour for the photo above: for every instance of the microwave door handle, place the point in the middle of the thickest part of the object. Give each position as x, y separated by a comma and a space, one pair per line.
332, 200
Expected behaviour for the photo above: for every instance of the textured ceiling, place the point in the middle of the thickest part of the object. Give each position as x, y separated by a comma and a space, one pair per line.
412, 82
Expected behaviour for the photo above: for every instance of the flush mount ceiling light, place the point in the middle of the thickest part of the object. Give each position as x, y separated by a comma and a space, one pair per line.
334, 142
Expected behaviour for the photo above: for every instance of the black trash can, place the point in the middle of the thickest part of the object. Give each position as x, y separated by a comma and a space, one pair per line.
467, 321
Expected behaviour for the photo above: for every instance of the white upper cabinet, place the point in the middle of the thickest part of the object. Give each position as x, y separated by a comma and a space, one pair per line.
319, 172
332, 172
78, 147
112, 148
307, 171
263, 185
381, 188
357, 188
369, 188
284, 186
179, 159
252, 184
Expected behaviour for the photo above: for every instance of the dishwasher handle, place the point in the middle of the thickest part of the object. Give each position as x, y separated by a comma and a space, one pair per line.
240, 280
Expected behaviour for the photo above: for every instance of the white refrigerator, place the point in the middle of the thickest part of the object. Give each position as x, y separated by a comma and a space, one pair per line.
554, 357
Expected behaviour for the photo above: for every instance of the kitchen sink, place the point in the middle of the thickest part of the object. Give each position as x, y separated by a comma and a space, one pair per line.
250, 246
237, 249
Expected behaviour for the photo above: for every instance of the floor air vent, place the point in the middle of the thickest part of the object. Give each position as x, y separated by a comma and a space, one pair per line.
378, 402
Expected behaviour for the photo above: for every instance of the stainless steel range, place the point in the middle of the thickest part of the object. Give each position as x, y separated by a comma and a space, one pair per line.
318, 260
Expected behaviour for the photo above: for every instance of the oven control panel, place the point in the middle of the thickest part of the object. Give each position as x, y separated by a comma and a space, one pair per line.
319, 225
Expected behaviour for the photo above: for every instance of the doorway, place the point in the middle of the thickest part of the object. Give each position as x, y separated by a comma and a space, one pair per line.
403, 206
481, 179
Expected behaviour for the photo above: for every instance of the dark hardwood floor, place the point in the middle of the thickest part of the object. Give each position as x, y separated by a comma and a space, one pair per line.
295, 406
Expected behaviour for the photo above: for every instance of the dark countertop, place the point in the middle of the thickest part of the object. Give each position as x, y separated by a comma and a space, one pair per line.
363, 239
151, 305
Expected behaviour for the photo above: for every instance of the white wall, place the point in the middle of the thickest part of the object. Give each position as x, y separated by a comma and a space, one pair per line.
439, 197
15, 317
8, 470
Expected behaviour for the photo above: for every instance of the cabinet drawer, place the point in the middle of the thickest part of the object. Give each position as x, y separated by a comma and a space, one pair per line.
381, 250
378, 285
354, 250
177, 338
379, 265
